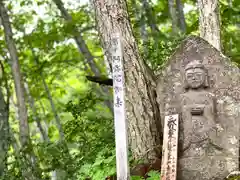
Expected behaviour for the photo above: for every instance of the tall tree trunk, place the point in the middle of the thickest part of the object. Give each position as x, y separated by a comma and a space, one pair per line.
4, 130
181, 16
144, 33
46, 126
26, 158
230, 40
35, 113
209, 22
29, 170
15, 66
57, 118
83, 48
173, 15
39, 124
140, 20
142, 110
151, 19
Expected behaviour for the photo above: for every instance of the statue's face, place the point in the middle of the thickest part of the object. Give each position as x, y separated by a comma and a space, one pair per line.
195, 77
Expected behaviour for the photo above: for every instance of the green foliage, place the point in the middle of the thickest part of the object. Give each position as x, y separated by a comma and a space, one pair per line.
234, 178
103, 166
152, 175
89, 128
41, 33
159, 53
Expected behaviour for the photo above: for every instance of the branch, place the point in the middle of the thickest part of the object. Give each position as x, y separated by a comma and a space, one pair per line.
100, 80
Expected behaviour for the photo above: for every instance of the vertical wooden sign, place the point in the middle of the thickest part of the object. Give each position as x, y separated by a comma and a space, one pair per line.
170, 148
119, 109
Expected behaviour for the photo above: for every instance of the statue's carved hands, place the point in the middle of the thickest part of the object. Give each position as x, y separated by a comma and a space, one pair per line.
197, 110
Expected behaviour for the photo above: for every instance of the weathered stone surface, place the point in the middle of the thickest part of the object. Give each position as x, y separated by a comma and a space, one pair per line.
203, 86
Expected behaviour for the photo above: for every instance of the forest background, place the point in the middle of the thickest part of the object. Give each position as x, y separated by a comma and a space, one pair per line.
54, 123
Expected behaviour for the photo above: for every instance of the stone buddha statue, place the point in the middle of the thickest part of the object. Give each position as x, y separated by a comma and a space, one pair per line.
199, 122
198, 105
202, 86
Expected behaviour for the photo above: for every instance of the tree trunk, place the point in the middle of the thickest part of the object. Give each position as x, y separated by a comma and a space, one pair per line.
151, 18
46, 126
36, 117
209, 22
4, 124
181, 16
230, 38
15, 66
141, 106
144, 33
58, 122
35, 114
57, 118
173, 15
140, 19
4, 134
83, 48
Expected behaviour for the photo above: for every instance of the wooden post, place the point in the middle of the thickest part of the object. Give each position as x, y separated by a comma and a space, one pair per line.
119, 109
170, 148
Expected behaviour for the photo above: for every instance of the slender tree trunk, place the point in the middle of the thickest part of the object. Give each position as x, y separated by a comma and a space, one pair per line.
57, 118
4, 133
28, 163
181, 16
15, 66
151, 18
4, 124
209, 22
142, 110
144, 33
38, 122
57, 174
29, 171
44, 114
83, 48
173, 15
36, 116
151, 21
139, 19
58, 121
230, 40
15, 145
78, 39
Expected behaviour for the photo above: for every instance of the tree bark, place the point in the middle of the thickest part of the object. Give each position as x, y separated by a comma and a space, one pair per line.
4, 124
140, 18
209, 22
150, 14
35, 114
173, 15
4, 133
15, 66
141, 106
144, 33
57, 118
181, 16
83, 48
36, 117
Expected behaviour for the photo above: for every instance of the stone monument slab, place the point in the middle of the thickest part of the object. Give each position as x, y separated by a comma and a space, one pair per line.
203, 87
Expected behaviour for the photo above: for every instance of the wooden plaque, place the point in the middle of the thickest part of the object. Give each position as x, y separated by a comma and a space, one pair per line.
119, 110
170, 148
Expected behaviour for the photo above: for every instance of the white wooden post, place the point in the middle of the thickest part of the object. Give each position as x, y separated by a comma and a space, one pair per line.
119, 109
170, 148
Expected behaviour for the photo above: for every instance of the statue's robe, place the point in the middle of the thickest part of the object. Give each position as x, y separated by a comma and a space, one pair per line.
198, 136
